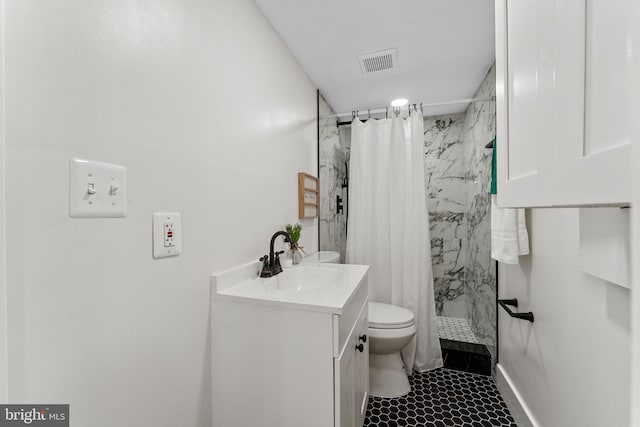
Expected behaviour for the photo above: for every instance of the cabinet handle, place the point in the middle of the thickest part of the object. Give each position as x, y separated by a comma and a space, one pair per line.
360, 347
363, 338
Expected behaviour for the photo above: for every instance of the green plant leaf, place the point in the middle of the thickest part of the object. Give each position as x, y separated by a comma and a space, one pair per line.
294, 231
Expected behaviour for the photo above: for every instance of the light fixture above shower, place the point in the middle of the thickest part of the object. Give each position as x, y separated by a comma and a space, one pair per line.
400, 102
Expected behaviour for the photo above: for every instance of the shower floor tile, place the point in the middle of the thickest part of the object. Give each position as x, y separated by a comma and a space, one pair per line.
455, 329
442, 397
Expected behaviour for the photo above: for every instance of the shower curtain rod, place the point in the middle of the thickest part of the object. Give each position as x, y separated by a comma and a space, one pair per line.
422, 106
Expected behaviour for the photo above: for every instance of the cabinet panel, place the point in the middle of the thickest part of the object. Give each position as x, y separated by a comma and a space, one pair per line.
524, 88
294, 344
608, 75
524, 63
598, 167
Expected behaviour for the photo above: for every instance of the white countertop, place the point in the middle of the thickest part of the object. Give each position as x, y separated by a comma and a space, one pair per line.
244, 283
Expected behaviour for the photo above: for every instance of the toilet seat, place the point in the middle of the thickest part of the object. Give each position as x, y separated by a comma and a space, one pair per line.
386, 316
391, 334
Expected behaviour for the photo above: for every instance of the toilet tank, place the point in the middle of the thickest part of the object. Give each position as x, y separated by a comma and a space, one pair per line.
324, 257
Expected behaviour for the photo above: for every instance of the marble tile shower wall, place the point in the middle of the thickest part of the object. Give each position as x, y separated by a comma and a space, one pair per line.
333, 155
445, 180
345, 152
480, 274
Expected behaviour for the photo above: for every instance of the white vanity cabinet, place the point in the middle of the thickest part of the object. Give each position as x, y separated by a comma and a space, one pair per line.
563, 72
290, 358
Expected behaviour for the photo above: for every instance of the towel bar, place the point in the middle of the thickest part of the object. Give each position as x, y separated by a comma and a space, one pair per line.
504, 303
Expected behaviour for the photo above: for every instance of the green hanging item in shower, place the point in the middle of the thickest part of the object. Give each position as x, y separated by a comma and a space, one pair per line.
494, 170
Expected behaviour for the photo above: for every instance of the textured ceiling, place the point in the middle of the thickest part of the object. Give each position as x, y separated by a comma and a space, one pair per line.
444, 48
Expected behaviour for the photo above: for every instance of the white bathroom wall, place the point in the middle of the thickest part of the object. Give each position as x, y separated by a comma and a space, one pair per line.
3, 258
635, 230
635, 239
213, 118
572, 365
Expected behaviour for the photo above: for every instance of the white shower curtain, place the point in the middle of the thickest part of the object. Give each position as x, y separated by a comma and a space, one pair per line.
388, 226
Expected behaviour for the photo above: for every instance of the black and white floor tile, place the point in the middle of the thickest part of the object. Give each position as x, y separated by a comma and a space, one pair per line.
455, 329
441, 398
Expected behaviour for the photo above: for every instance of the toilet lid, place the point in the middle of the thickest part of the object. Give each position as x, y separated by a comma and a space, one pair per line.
386, 316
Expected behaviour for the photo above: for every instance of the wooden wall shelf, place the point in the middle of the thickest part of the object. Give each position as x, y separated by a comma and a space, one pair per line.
308, 196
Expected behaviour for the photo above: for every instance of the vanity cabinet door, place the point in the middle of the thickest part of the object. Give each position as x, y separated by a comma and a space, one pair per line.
362, 367
352, 376
345, 373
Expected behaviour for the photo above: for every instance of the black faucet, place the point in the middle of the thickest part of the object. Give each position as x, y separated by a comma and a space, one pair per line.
271, 265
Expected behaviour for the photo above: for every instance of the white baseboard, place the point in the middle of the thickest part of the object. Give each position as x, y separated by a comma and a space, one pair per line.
516, 404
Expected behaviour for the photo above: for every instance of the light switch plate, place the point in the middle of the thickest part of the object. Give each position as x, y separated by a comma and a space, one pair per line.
97, 190
167, 234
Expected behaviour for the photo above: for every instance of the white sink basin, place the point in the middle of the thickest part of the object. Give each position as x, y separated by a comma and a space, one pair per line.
303, 279
313, 286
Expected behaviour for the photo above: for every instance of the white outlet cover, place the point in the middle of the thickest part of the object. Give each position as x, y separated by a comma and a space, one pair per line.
159, 221
97, 190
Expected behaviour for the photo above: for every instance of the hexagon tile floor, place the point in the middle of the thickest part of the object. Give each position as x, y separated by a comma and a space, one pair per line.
442, 398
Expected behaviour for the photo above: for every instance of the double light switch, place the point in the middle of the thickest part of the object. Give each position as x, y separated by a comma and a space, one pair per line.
97, 190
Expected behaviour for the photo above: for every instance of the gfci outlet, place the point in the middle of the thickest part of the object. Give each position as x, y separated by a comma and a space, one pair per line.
167, 234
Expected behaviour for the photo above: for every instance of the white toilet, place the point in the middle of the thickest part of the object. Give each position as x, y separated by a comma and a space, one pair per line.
391, 328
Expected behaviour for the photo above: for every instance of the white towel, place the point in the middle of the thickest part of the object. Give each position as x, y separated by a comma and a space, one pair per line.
509, 237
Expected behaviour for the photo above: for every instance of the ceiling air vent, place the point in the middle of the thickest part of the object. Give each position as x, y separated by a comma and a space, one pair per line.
378, 61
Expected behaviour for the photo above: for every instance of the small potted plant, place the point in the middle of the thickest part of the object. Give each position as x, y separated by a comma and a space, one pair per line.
294, 232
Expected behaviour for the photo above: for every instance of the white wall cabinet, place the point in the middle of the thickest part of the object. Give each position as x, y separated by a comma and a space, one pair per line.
289, 365
563, 102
